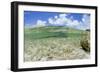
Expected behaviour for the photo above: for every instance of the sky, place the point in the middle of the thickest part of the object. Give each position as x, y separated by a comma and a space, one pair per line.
42, 19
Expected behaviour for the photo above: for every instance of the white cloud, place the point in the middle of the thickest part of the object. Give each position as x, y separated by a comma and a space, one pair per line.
85, 17
40, 23
62, 15
86, 21
63, 20
51, 21
58, 20
55, 17
73, 23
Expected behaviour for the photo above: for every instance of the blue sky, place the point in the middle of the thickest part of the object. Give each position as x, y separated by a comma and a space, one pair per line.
40, 19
